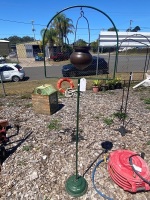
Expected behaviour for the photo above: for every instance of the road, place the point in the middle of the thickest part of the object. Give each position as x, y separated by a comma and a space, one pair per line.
38, 73
125, 64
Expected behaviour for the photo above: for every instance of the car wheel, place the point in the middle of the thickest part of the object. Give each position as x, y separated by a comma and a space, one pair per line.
15, 79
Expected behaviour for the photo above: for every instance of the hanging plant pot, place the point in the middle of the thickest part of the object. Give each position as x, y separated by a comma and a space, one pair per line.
81, 58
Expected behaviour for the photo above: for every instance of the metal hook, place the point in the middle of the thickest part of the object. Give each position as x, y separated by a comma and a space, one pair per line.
81, 13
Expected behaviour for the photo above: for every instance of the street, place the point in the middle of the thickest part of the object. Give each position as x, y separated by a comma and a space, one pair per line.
125, 64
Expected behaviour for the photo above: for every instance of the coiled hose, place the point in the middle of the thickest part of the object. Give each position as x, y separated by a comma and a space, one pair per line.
93, 176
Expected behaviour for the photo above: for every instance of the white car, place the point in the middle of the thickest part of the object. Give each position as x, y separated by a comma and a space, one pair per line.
11, 72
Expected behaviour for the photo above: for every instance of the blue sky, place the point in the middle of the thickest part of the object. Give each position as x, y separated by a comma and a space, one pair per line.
16, 16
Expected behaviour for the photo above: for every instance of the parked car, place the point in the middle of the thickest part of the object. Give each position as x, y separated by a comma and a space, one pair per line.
39, 58
13, 54
71, 71
2, 59
60, 56
11, 72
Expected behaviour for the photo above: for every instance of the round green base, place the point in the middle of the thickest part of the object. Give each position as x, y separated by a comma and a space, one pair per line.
76, 187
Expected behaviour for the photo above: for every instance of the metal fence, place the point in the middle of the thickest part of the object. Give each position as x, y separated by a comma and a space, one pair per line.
102, 66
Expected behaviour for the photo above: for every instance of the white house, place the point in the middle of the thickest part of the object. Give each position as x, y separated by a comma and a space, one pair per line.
125, 39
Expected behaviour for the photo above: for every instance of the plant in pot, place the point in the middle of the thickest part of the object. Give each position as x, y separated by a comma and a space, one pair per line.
111, 84
96, 85
118, 83
104, 86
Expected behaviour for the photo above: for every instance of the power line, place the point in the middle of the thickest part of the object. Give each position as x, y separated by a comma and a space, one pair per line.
29, 23
13, 21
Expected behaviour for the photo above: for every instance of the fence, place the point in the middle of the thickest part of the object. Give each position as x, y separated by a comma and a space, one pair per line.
58, 65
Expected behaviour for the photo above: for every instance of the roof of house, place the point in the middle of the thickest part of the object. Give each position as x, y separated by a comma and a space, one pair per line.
4, 41
132, 39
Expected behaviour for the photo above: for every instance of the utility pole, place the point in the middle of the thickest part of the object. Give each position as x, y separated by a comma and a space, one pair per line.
33, 29
130, 25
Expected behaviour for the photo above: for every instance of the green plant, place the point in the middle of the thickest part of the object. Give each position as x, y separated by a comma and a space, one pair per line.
148, 142
96, 82
148, 107
27, 148
28, 105
54, 125
147, 101
108, 121
120, 115
25, 96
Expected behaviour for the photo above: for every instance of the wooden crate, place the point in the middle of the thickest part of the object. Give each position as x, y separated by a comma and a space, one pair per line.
45, 104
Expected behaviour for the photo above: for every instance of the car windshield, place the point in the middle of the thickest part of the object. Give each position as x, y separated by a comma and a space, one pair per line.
18, 67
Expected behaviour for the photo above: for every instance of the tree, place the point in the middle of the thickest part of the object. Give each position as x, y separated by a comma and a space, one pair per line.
112, 29
15, 39
94, 46
136, 29
50, 37
80, 42
63, 27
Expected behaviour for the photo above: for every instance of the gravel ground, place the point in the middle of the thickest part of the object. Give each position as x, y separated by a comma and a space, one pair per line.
40, 159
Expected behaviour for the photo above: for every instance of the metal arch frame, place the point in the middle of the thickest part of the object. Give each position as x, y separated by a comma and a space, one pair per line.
82, 6
147, 59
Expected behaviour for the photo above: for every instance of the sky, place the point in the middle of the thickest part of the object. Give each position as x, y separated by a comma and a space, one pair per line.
16, 16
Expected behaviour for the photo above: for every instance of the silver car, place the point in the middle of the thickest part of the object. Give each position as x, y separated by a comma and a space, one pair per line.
11, 72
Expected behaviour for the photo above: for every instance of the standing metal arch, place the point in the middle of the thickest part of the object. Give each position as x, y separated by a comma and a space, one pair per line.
82, 6
147, 59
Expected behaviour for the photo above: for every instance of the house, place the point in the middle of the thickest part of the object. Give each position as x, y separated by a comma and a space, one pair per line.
4, 47
125, 39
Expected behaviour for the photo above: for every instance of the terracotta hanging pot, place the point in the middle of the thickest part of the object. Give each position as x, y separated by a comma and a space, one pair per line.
81, 58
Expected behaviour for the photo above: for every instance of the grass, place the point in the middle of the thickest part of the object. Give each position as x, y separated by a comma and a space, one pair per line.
147, 101
54, 125
108, 121
27, 148
26, 88
120, 115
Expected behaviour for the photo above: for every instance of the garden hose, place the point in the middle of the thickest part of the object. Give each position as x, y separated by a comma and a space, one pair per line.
131, 163
93, 176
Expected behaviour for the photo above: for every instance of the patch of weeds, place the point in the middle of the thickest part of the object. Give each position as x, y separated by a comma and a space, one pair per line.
148, 107
25, 96
147, 101
1, 104
120, 115
28, 105
108, 121
148, 142
21, 163
99, 115
1, 95
27, 148
54, 125
60, 95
